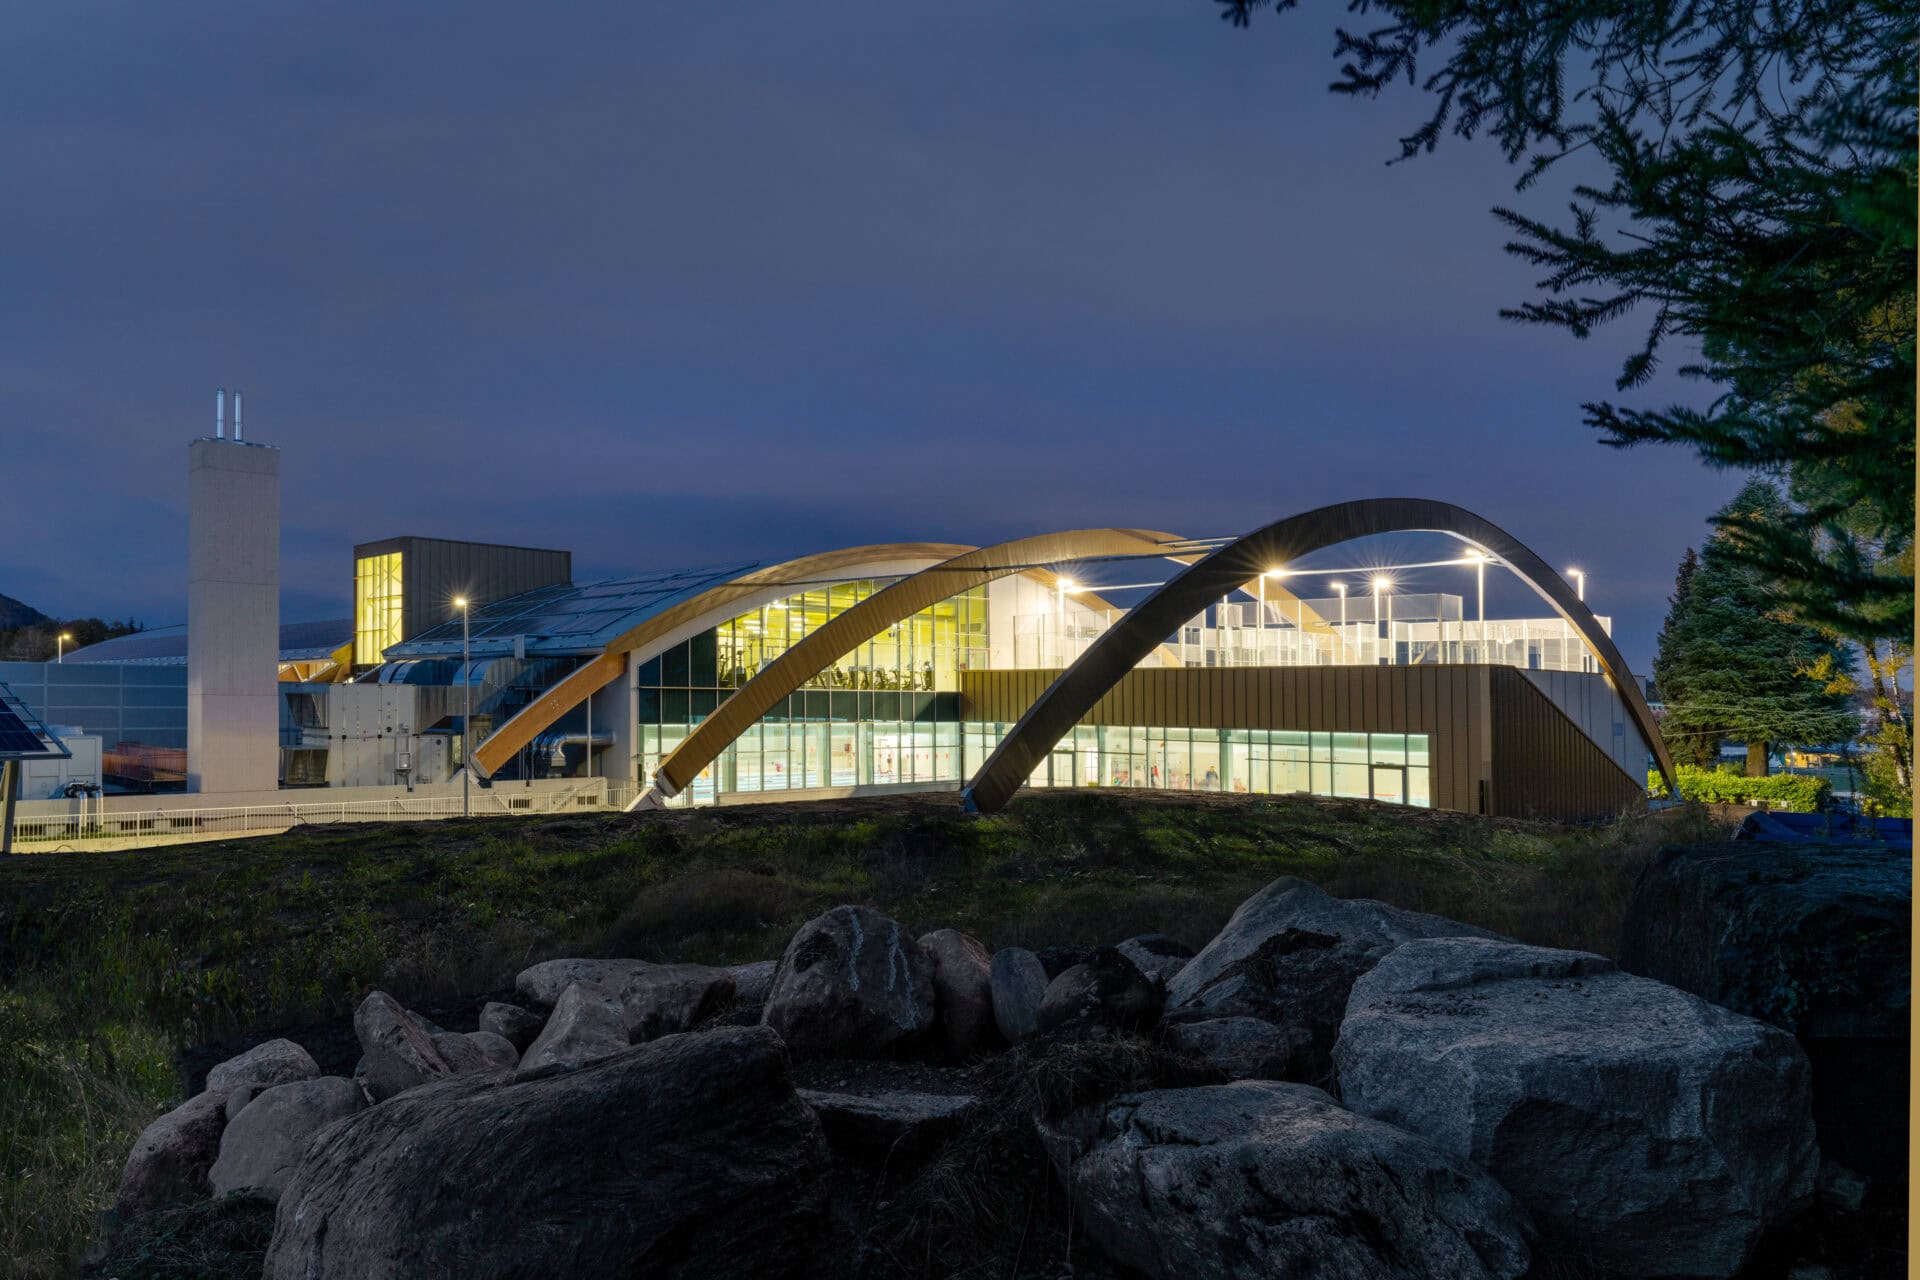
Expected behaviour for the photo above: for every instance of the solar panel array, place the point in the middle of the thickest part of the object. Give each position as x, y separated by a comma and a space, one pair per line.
22, 736
571, 617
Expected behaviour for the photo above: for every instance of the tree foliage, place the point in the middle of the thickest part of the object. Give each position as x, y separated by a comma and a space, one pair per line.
1758, 208
1731, 664
40, 642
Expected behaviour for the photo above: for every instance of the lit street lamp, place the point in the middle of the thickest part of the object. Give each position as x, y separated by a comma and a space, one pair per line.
466, 714
1381, 584
60, 648
1579, 577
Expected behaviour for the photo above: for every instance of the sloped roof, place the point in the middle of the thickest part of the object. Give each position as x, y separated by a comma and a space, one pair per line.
167, 646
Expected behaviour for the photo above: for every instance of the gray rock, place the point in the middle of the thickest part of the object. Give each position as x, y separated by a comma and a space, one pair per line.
542, 984
1290, 955
1244, 1048
170, 1158
752, 982
460, 1052
689, 1156
400, 1052
1105, 993
962, 992
586, 1024
1816, 939
264, 1143
1019, 985
665, 999
275, 1062
237, 1100
1841, 1189
1156, 955
1056, 960
1657, 1133
496, 1050
850, 983
1259, 1179
511, 1023
886, 1121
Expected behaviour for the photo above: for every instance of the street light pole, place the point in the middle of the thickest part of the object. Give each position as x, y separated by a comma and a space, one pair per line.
466, 713
1346, 645
60, 648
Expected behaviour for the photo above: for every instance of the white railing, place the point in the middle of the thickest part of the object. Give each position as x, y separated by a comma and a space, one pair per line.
184, 823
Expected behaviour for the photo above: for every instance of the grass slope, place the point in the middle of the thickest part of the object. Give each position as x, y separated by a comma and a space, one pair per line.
115, 963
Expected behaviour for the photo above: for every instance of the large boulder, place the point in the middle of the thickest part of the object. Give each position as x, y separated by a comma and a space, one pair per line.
1650, 1130
496, 1051
541, 985
1814, 938
1290, 954
511, 1023
962, 992
399, 1050
850, 983
1256, 1179
690, 1156
586, 1024
1244, 1048
665, 999
1019, 984
170, 1158
275, 1062
1105, 993
263, 1144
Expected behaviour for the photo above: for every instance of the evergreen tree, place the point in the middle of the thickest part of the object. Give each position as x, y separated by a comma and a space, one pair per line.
1733, 665
1757, 206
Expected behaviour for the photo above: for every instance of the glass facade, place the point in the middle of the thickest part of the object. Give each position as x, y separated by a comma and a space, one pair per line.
1391, 767
139, 713
886, 712
377, 607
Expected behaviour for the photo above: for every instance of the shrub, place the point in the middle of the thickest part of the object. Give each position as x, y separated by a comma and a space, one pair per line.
1787, 792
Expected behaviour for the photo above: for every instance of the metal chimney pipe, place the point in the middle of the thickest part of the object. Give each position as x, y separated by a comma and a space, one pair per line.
236, 413
220, 413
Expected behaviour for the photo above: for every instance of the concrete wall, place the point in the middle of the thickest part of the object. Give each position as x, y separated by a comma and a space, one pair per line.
233, 616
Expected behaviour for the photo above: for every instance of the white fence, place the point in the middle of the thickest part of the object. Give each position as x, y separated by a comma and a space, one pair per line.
173, 823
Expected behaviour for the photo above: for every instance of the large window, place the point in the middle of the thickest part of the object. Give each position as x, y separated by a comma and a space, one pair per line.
1391, 767
377, 597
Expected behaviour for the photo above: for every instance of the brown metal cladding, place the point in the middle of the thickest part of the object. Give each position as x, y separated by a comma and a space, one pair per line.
1544, 765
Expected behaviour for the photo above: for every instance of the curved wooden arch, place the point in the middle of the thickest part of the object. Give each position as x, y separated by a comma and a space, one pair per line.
695, 614
1070, 697
875, 614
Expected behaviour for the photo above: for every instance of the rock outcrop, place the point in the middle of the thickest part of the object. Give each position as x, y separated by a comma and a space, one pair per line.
689, 1156
275, 1062
263, 1144
850, 983
1290, 954
1814, 938
1655, 1132
1019, 985
171, 1157
752, 982
962, 992
1156, 955
1105, 993
586, 1024
1258, 1179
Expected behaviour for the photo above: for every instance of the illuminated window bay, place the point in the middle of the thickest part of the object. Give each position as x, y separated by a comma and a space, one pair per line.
378, 597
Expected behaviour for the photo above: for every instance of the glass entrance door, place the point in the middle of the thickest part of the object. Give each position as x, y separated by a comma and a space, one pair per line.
1390, 784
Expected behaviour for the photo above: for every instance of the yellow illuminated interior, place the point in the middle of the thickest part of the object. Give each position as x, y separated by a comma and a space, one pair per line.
377, 594
922, 652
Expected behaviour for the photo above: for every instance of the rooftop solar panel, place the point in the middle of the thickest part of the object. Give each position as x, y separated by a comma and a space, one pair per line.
22, 736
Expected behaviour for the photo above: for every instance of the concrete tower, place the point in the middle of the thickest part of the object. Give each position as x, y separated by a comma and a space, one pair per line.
233, 610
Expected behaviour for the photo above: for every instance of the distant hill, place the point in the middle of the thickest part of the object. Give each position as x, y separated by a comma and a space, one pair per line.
15, 614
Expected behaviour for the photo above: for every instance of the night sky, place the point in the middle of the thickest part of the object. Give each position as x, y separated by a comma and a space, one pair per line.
682, 284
